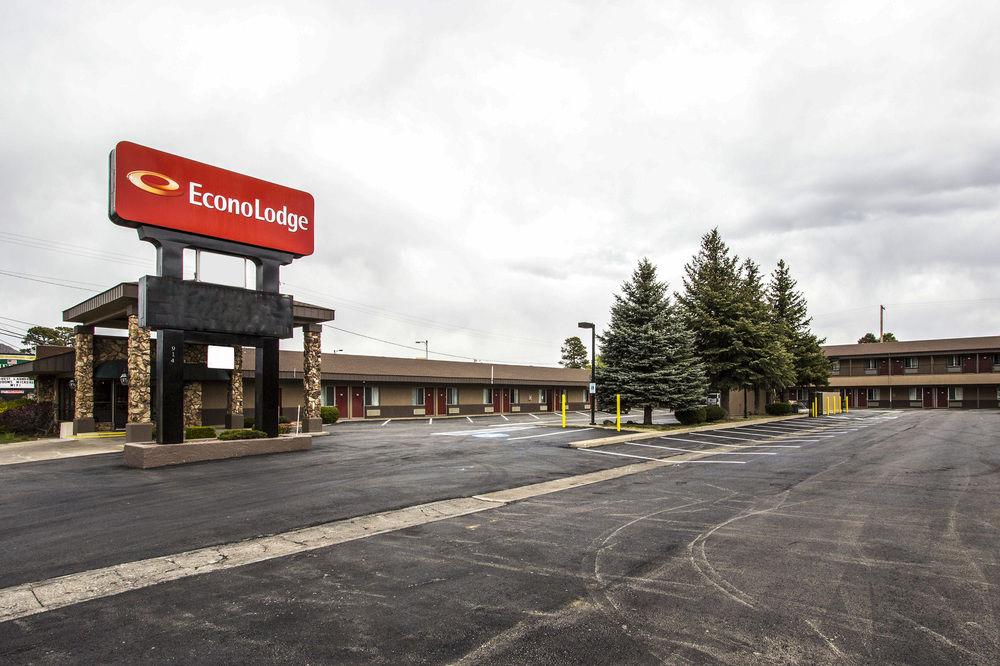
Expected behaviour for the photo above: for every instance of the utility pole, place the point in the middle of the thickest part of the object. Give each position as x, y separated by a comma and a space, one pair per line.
881, 323
593, 368
426, 352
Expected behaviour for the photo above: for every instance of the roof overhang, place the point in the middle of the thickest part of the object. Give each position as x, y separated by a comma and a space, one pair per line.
111, 308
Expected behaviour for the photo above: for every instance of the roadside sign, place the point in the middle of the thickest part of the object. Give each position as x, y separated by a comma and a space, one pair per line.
592, 388
151, 187
17, 383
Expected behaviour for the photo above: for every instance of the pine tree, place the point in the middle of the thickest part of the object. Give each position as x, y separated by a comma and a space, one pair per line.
647, 353
791, 315
768, 364
871, 337
574, 354
711, 308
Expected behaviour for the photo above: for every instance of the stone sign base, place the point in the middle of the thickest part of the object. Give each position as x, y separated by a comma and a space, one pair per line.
147, 455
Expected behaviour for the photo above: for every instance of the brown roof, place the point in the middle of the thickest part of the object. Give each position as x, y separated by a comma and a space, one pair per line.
987, 343
350, 367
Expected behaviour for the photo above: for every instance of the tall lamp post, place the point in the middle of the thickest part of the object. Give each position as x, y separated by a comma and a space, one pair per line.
424, 343
593, 369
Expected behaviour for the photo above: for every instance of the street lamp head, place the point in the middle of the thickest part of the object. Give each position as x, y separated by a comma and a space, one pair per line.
585, 324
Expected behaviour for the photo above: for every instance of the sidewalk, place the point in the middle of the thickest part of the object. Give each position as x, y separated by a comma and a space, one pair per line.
52, 449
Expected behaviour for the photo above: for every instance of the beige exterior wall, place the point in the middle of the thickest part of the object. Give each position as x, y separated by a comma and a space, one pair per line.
471, 395
396, 396
214, 395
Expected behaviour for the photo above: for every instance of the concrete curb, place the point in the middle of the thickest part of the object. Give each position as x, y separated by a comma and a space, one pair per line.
652, 434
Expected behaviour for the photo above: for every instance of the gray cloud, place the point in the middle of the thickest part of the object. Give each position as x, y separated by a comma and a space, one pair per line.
502, 167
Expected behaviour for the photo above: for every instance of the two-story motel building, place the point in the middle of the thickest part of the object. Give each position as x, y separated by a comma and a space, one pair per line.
930, 374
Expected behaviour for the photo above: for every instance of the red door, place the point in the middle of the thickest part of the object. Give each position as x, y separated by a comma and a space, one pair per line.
442, 401
506, 400
357, 402
942, 396
496, 400
552, 399
429, 401
928, 398
862, 398
968, 364
340, 399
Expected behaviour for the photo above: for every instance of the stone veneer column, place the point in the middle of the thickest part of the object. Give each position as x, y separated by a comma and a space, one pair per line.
234, 415
83, 375
139, 427
45, 391
193, 390
311, 361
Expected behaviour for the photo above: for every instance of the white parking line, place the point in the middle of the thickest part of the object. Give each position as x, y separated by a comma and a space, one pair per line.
664, 460
549, 434
468, 419
738, 446
534, 417
504, 417
385, 422
430, 421
717, 453
510, 428
747, 438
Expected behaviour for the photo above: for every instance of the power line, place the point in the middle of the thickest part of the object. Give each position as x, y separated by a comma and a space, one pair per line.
33, 279
83, 251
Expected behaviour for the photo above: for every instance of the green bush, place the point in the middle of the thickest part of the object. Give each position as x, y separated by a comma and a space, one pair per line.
285, 428
778, 408
283, 419
691, 416
243, 433
714, 413
329, 414
199, 432
29, 418
248, 422
12, 404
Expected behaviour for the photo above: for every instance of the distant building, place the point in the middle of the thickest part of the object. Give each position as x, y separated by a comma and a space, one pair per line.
113, 384
952, 373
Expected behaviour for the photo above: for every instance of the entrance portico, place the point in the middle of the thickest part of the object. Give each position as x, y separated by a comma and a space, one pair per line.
117, 308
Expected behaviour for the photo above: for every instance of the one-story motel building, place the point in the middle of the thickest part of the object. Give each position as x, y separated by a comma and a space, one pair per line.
106, 381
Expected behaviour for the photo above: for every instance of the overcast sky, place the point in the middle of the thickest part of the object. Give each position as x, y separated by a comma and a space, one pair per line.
487, 174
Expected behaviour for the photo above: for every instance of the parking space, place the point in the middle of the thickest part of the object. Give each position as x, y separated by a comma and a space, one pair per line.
573, 418
744, 444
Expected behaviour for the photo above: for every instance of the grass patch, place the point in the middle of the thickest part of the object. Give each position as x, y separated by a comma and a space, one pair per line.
10, 438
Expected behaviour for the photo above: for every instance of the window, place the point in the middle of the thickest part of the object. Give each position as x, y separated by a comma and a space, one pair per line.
371, 396
955, 393
834, 365
873, 394
910, 362
914, 394
452, 395
953, 361
996, 359
515, 396
487, 397
543, 397
418, 397
871, 364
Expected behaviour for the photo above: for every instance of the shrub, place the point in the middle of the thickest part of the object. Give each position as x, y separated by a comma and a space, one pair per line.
690, 416
283, 419
30, 418
714, 413
778, 408
248, 422
11, 404
329, 414
284, 428
243, 433
199, 432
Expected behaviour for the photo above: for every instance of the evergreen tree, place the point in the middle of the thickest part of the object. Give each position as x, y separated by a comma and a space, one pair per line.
574, 354
60, 336
711, 308
767, 363
647, 354
791, 316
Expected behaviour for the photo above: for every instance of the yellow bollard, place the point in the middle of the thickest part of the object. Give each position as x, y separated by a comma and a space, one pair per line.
618, 412
847, 404
564, 409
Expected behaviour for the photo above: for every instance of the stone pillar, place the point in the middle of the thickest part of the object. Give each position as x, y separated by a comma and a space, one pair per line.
312, 358
83, 375
234, 415
192, 404
45, 391
193, 354
139, 427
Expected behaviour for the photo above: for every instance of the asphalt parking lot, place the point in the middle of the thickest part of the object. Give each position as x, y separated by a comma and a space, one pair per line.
866, 538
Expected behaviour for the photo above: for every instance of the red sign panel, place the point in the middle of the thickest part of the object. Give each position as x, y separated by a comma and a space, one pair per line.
150, 187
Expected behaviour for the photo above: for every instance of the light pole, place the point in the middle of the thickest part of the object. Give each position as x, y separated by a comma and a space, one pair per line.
337, 350
424, 343
593, 368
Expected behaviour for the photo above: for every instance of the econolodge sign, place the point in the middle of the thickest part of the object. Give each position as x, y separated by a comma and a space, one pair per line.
154, 188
